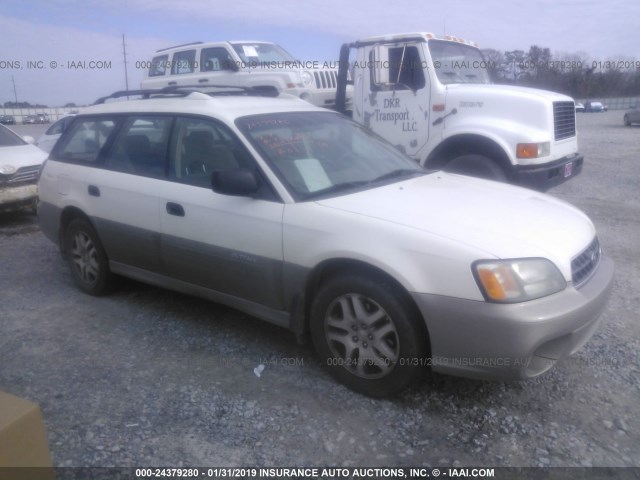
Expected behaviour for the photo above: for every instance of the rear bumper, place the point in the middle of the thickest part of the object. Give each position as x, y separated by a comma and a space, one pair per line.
495, 341
543, 177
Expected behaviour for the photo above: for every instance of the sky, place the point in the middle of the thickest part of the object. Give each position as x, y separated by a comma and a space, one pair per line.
44, 41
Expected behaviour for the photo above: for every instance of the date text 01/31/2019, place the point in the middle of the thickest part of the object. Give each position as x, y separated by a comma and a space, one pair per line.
313, 472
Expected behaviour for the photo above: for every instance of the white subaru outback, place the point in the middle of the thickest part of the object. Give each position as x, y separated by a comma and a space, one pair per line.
299, 216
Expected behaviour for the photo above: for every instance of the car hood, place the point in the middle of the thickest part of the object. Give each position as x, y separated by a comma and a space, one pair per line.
19, 156
498, 220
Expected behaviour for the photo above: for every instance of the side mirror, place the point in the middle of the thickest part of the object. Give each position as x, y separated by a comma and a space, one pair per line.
239, 182
380, 64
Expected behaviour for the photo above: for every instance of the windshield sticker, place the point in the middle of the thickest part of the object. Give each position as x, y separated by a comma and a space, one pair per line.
312, 173
250, 50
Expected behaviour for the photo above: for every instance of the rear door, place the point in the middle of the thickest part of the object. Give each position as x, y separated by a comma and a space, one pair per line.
110, 169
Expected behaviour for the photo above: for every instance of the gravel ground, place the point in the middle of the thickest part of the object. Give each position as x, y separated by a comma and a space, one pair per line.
146, 377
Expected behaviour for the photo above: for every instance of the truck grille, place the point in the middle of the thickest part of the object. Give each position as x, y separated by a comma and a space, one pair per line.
564, 120
583, 266
326, 79
23, 175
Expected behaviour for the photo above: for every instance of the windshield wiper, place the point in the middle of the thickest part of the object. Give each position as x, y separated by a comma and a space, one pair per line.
338, 187
401, 172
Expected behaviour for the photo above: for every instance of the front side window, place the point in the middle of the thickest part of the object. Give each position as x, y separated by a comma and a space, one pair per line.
402, 67
215, 59
200, 147
323, 154
183, 62
141, 146
85, 140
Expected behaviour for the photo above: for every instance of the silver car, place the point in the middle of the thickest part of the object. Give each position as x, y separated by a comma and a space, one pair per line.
632, 116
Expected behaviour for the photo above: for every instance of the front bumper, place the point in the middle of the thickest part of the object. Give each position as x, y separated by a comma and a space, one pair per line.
513, 341
543, 177
13, 197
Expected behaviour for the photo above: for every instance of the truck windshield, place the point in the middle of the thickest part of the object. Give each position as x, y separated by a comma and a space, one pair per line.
458, 63
262, 53
319, 155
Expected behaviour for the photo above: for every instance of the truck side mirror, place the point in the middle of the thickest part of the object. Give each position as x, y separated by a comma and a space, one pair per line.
380, 64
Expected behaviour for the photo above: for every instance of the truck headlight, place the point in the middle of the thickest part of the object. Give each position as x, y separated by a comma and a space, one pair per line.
520, 280
533, 150
307, 79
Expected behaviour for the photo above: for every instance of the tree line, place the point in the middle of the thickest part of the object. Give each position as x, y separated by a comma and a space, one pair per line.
572, 74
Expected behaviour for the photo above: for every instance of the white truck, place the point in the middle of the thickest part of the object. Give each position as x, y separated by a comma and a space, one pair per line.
433, 99
244, 64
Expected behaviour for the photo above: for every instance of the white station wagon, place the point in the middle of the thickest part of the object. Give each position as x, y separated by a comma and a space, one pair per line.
301, 217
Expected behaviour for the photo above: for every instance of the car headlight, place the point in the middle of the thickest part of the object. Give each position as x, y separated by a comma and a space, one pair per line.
7, 169
307, 79
520, 280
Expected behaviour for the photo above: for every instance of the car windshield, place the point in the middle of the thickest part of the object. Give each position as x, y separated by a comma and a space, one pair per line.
262, 53
318, 154
458, 63
9, 139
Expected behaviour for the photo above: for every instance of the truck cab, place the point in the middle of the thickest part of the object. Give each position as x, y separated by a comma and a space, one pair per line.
433, 99
242, 64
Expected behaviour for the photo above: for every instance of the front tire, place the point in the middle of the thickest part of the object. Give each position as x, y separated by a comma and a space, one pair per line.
627, 122
368, 335
87, 259
475, 165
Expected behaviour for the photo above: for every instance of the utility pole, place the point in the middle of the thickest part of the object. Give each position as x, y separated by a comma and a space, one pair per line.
124, 54
15, 94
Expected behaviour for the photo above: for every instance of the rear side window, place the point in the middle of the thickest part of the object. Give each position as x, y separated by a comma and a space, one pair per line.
141, 146
183, 62
158, 66
85, 140
60, 126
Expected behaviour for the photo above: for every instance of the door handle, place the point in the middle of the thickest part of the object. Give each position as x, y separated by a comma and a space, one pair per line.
173, 83
203, 80
175, 209
93, 191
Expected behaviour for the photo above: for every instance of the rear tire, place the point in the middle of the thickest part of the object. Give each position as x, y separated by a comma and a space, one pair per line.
368, 335
87, 259
627, 122
475, 165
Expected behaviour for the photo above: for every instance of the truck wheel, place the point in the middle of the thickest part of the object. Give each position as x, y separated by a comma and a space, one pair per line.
87, 259
366, 336
475, 165
626, 121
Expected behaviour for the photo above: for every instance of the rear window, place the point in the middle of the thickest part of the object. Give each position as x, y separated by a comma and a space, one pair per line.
183, 62
158, 66
85, 140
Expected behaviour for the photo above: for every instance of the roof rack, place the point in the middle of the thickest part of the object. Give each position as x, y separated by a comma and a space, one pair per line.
178, 46
184, 90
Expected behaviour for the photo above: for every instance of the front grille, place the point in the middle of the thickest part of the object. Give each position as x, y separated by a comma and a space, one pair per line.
583, 266
23, 175
326, 79
564, 120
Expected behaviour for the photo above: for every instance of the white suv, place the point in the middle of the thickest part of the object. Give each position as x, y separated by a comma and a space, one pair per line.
299, 216
245, 63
